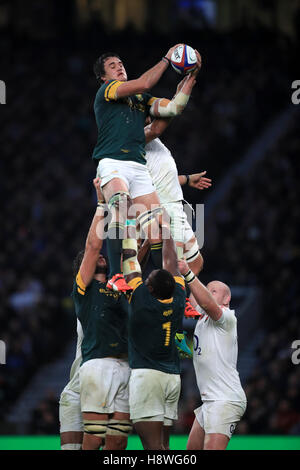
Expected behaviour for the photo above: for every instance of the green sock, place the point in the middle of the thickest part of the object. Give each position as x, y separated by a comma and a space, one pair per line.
156, 255
114, 241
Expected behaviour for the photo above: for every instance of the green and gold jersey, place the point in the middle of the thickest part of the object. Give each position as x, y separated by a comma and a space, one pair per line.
120, 124
103, 315
152, 327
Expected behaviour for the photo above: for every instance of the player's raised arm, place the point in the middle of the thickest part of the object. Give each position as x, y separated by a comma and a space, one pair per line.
164, 108
94, 239
200, 292
159, 125
169, 254
114, 70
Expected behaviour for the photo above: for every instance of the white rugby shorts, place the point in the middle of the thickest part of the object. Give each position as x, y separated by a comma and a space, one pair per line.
70, 417
153, 395
104, 385
134, 174
220, 417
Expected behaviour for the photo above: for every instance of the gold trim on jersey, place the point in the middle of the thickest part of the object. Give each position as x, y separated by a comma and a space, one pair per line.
80, 284
166, 301
151, 100
179, 280
110, 92
135, 282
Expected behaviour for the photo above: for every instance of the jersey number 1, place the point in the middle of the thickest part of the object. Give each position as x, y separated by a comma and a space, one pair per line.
167, 326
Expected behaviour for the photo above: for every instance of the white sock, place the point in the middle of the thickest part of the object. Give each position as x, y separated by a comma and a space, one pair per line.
71, 447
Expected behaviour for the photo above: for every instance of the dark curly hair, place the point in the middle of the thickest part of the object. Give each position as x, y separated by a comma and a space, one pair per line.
163, 284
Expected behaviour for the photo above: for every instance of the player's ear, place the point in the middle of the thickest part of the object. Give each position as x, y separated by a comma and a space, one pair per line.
226, 299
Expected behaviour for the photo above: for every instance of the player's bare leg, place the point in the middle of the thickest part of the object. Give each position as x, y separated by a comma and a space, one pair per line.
196, 437
71, 440
215, 441
96, 425
150, 433
166, 437
117, 440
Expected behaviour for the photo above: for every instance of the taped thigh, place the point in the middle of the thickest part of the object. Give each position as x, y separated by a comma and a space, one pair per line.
95, 427
118, 200
119, 427
148, 218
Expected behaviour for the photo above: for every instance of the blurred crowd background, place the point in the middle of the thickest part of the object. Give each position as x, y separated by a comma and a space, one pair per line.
48, 132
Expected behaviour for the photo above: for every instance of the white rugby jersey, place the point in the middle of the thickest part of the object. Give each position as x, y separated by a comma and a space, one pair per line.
215, 357
163, 171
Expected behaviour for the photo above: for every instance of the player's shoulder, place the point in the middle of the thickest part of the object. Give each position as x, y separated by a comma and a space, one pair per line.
180, 291
179, 281
135, 283
107, 90
80, 289
227, 319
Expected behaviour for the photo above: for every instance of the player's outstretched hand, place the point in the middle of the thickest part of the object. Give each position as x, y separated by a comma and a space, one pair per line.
181, 83
199, 181
97, 185
195, 72
199, 59
170, 51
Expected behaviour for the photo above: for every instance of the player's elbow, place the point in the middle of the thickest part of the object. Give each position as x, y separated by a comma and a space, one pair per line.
93, 246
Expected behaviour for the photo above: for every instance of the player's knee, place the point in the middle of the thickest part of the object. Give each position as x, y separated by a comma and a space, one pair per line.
115, 442
119, 200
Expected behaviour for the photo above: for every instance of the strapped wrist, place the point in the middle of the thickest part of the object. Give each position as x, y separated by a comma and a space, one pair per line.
165, 59
189, 276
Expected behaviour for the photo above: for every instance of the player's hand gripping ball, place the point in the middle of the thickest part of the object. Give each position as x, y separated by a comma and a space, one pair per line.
184, 59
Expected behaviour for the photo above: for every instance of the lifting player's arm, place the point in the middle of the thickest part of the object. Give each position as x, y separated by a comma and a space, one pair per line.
164, 108
94, 239
201, 294
159, 125
197, 180
147, 80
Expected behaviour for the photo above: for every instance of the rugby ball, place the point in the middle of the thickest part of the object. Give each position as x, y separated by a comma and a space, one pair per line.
183, 59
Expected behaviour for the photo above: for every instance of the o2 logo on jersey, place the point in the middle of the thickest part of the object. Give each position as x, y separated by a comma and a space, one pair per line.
196, 345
